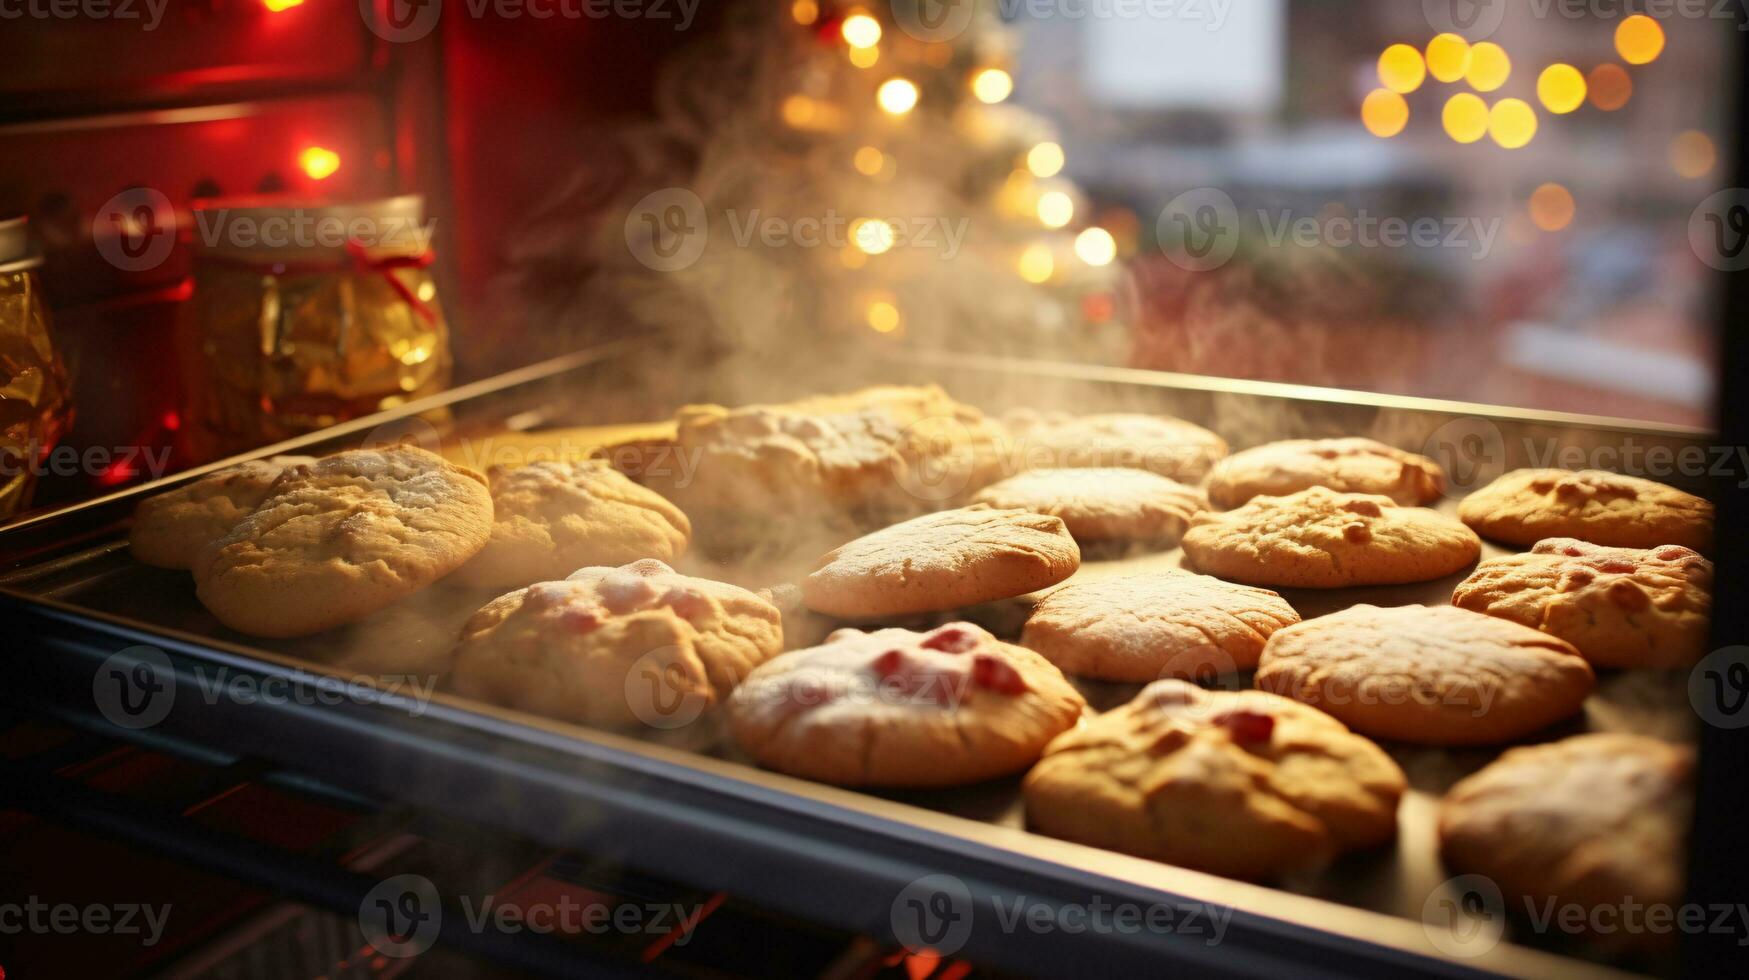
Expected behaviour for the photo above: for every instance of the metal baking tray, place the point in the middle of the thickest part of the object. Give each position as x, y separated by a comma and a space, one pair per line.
685, 804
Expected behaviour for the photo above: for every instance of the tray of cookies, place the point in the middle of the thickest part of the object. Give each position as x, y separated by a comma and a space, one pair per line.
1369, 676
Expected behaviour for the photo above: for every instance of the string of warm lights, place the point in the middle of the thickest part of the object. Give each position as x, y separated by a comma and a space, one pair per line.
1512, 123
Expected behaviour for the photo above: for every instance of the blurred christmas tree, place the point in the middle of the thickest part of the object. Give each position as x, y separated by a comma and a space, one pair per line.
822, 172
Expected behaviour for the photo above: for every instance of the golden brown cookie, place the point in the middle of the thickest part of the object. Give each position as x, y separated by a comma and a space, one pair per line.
1141, 628
1622, 607
1526, 506
341, 538
1345, 465
899, 708
1432, 675
1172, 448
1102, 504
1322, 539
1592, 820
847, 462
616, 647
942, 561
551, 518
171, 528
1241, 783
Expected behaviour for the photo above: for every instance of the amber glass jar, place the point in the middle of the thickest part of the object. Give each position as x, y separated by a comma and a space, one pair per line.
35, 407
302, 317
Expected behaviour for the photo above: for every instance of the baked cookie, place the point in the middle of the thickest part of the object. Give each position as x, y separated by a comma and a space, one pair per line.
1622, 607
1347, 465
1141, 628
1525, 506
615, 647
1432, 675
1171, 447
550, 519
942, 561
899, 708
171, 528
343, 537
847, 462
1593, 820
1240, 783
1102, 504
1322, 539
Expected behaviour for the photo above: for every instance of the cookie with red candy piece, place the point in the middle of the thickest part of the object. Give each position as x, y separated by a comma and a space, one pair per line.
579, 650
1246, 784
900, 708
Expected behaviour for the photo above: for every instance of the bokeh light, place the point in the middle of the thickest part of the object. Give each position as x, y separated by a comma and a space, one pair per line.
861, 31
883, 316
1560, 88
1692, 154
1465, 117
1045, 160
1448, 57
865, 57
1551, 207
869, 161
1401, 69
805, 11
1055, 209
1639, 40
1095, 246
1489, 67
1609, 86
1384, 113
319, 162
1036, 263
1512, 123
897, 96
872, 235
992, 85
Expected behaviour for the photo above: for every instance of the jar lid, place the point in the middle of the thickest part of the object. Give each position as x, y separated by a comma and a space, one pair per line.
265, 228
16, 252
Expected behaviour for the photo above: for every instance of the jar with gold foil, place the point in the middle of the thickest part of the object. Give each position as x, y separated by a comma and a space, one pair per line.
35, 405
302, 317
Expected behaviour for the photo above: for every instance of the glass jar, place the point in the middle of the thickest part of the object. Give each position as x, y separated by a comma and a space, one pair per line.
35, 404
302, 317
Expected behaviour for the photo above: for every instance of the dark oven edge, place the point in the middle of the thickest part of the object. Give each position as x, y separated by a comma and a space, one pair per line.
684, 824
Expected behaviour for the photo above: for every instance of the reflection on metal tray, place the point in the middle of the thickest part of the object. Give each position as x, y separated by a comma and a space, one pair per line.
687, 804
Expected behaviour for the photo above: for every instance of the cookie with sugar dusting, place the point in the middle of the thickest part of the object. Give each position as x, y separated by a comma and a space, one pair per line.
900, 708
1350, 465
552, 518
1323, 539
1622, 607
1141, 628
1595, 820
1525, 506
170, 529
1102, 504
1431, 675
1172, 448
584, 650
1240, 783
341, 538
942, 561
